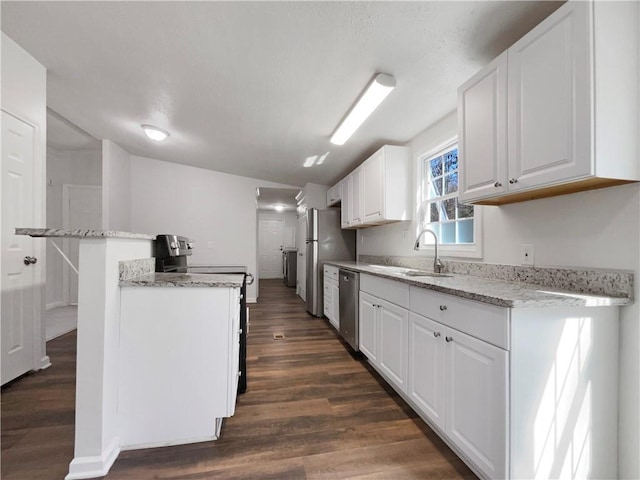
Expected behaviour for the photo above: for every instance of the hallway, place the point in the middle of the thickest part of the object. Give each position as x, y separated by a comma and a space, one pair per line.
312, 410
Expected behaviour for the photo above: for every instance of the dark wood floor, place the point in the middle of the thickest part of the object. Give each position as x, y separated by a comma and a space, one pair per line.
312, 410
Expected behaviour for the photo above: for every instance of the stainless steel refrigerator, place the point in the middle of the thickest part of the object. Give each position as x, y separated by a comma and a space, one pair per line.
325, 241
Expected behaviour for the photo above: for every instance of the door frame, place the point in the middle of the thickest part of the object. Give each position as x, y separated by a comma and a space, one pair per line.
66, 188
40, 358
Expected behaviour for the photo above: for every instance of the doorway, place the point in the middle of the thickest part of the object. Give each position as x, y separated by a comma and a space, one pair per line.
276, 229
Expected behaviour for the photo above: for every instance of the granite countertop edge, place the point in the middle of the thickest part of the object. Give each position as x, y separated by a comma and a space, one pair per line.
191, 280
494, 292
79, 233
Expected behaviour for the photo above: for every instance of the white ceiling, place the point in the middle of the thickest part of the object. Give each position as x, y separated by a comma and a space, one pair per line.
254, 88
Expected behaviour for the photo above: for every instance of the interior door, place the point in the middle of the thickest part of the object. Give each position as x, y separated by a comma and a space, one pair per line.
270, 238
82, 209
19, 273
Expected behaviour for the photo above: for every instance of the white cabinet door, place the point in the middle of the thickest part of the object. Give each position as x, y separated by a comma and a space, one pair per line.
477, 401
392, 356
345, 210
368, 323
328, 298
373, 187
550, 102
355, 180
426, 385
336, 304
482, 124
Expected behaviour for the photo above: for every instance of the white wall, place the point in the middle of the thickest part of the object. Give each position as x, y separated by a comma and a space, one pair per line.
204, 205
116, 187
75, 167
597, 229
24, 95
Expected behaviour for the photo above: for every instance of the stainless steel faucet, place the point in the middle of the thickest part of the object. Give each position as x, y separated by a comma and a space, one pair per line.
437, 264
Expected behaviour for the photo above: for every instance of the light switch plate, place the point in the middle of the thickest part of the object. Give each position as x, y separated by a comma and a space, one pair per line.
526, 255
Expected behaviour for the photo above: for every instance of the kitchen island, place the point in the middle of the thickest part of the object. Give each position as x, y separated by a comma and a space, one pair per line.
110, 396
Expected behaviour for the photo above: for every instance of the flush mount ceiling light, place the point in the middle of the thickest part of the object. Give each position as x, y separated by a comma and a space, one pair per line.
375, 93
278, 208
155, 133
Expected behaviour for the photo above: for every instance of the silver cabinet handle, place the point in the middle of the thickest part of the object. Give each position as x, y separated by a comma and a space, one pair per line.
513, 180
497, 184
240, 331
239, 373
30, 260
436, 334
443, 308
448, 339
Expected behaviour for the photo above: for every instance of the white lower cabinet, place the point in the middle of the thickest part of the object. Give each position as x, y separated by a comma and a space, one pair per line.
426, 367
384, 327
393, 324
476, 400
516, 392
331, 296
460, 384
368, 323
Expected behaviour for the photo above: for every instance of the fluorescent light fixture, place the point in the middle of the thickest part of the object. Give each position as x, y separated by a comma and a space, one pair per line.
376, 92
310, 161
322, 159
155, 133
278, 207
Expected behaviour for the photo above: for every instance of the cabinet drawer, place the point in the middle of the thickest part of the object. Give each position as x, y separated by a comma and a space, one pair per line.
480, 320
389, 290
331, 272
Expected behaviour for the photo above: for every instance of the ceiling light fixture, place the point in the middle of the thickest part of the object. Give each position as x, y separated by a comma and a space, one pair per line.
155, 133
278, 208
375, 93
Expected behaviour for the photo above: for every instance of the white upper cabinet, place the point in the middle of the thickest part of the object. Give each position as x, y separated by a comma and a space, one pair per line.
558, 111
355, 182
351, 209
345, 211
334, 194
378, 190
482, 139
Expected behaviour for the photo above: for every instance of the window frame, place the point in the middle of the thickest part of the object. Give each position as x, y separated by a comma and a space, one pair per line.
467, 250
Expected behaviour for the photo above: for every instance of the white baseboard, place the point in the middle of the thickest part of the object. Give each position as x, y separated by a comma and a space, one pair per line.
57, 304
94, 467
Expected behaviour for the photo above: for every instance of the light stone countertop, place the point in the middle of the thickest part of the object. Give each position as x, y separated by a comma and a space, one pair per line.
487, 290
69, 233
198, 280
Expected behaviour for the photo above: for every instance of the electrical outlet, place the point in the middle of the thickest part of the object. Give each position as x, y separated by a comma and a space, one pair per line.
405, 233
526, 254
209, 244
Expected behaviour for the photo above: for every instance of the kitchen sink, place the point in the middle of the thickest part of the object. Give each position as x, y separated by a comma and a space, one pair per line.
424, 273
409, 272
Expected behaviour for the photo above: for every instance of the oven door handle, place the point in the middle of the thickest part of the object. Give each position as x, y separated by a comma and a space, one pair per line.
250, 276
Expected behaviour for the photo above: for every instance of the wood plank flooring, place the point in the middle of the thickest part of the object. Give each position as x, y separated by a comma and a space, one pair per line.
312, 410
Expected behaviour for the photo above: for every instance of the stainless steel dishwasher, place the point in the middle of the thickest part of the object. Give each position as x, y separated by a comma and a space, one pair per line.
349, 289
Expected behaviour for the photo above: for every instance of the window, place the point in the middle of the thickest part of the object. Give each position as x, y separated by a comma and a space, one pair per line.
455, 223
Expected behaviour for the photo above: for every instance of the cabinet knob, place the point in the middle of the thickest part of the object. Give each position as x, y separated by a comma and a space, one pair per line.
497, 184
30, 260
436, 334
513, 180
443, 308
239, 373
448, 339
240, 331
